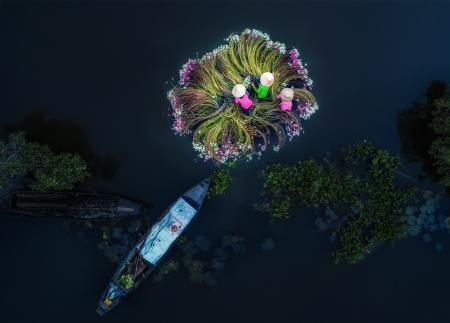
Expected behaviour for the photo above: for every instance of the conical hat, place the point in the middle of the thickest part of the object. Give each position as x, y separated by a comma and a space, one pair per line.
266, 79
287, 94
238, 90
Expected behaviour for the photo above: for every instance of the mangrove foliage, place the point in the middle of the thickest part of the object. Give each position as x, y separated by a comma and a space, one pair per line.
29, 164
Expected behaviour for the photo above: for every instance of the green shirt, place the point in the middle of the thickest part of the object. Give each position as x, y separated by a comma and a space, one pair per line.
262, 91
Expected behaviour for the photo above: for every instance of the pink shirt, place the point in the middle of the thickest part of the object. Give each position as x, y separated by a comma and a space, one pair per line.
284, 105
244, 101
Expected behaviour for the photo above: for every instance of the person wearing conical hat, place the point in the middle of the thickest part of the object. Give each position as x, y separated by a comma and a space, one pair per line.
266, 80
241, 96
286, 95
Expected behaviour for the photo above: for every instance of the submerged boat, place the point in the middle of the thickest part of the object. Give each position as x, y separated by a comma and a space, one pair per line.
72, 205
147, 253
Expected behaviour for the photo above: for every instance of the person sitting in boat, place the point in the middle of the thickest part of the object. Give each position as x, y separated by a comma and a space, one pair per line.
286, 95
266, 80
241, 96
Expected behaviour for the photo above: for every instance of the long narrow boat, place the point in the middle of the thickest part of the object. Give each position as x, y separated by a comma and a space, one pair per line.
146, 255
72, 205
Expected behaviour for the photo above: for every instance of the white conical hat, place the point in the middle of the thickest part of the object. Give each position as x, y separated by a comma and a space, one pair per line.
287, 94
238, 90
266, 79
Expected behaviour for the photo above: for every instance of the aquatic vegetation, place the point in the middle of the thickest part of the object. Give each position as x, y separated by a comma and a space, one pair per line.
425, 220
434, 227
267, 244
126, 281
217, 264
410, 210
181, 239
372, 203
415, 229
236, 242
203, 103
170, 266
226, 240
117, 233
220, 254
239, 248
188, 248
309, 183
323, 226
210, 278
134, 225
202, 242
110, 251
50, 171
379, 219
196, 271
220, 180
102, 245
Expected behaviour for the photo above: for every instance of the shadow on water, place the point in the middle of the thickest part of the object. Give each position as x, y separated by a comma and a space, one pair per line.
415, 135
65, 137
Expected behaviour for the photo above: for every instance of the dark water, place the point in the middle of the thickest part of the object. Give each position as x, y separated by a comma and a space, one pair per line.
104, 66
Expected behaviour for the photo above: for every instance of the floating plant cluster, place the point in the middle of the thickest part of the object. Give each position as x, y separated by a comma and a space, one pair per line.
203, 103
426, 219
206, 269
416, 219
331, 222
114, 238
117, 240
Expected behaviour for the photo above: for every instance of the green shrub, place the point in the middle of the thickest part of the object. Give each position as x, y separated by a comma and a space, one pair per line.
220, 180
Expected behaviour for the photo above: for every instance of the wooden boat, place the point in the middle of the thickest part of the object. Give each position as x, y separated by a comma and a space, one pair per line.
145, 256
72, 205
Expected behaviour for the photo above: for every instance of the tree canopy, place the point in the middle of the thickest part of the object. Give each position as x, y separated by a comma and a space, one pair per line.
440, 148
28, 163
